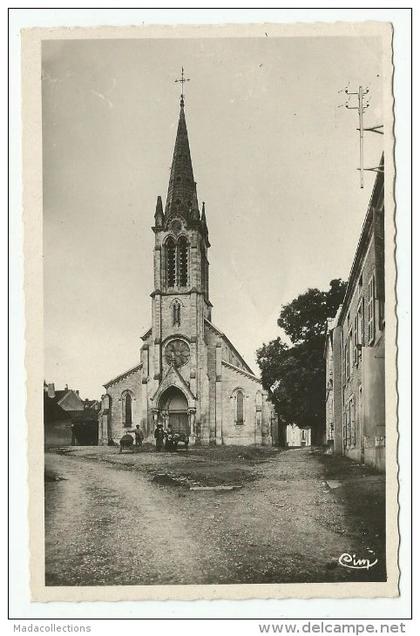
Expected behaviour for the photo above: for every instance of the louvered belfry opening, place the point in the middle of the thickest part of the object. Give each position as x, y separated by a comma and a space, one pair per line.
171, 263
177, 262
182, 262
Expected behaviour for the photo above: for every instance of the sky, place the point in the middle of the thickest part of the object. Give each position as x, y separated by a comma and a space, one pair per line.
275, 157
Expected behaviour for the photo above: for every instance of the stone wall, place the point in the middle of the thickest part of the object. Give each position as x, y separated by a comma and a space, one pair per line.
256, 426
358, 397
114, 428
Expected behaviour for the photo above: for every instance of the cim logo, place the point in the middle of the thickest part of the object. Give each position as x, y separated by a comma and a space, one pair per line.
355, 563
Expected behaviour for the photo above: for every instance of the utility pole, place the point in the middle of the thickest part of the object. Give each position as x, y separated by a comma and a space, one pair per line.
361, 107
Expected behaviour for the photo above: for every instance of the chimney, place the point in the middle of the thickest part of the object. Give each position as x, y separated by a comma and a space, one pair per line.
66, 387
51, 391
77, 392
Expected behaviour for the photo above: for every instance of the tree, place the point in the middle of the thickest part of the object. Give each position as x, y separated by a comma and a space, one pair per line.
304, 318
294, 374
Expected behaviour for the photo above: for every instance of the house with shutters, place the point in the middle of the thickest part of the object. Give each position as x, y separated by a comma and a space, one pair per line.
355, 348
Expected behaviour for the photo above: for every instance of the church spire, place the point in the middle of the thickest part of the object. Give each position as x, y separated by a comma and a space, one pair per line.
182, 197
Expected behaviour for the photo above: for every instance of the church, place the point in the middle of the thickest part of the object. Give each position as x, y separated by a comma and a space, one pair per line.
189, 374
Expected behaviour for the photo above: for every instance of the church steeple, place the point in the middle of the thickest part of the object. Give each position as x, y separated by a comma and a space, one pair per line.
182, 196
181, 234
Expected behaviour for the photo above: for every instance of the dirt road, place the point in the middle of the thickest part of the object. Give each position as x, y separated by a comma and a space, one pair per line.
109, 523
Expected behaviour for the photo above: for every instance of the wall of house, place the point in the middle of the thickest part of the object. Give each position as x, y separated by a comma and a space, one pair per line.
57, 433
363, 388
329, 392
297, 436
337, 390
373, 398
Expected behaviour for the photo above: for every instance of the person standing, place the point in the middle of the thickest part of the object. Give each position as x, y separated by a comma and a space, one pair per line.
169, 443
159, 437
139, 436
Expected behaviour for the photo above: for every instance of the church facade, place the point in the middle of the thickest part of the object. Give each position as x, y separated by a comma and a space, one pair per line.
189, 374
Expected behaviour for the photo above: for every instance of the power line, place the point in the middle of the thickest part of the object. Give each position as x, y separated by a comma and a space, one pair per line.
362, 105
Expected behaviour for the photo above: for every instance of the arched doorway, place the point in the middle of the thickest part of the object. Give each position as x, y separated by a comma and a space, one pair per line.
173, 404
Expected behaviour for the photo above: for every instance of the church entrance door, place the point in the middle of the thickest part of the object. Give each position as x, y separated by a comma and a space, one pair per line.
179, 422
175, 404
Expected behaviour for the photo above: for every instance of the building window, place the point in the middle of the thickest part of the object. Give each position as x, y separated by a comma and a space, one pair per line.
345, 429
239, 408
352, 423
177, 262
127, 409
182, 262
371, 310
356, 342
361, 325
350, 349
171, 263
348, 355
176, 313
381, 313
346, 361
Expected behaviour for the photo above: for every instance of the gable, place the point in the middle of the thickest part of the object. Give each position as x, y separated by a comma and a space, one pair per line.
229, 353
240, 371
71, 402
123, 376
174, 378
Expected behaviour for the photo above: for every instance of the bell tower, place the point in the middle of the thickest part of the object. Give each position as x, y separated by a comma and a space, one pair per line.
180, 299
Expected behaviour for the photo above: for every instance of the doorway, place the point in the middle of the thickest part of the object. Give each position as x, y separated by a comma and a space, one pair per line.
174, 402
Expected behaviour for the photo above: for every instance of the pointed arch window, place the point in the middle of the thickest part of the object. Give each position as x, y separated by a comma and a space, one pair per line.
177, 262
239, 407
171, 262
176, 314
182, 262
127, 409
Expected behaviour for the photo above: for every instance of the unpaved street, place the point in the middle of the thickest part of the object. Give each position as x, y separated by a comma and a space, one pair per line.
131, 519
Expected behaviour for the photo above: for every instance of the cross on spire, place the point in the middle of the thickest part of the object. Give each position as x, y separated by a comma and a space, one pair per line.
182, 81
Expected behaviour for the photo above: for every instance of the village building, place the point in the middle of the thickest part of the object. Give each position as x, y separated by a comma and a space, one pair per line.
189, 374
332, 384
298, 436
355, 348
69, 420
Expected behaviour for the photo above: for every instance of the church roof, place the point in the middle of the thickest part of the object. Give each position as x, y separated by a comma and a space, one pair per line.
123, 375
231, 346
182, 193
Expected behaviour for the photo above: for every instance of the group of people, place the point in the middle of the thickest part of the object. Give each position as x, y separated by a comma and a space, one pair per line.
164, 438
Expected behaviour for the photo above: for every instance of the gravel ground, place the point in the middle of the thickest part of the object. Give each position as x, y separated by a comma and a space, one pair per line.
114, 519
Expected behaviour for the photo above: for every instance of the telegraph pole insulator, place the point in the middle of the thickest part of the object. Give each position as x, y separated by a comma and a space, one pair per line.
361, 107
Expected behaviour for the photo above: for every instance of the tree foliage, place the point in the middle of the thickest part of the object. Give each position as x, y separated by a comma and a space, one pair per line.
304, 318
295, 375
